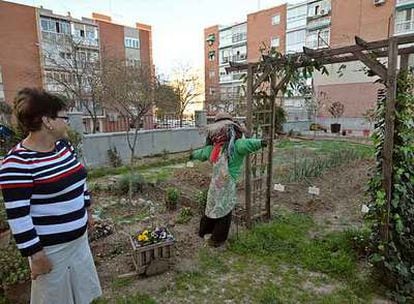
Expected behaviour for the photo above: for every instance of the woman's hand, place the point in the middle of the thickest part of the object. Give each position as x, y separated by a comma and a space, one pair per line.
40, 264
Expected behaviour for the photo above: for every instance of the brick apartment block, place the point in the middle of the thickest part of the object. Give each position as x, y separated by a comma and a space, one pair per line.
26, 46
316, 24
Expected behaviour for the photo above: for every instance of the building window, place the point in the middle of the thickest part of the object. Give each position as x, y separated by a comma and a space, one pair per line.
239, 33
295, 41
405, 21
211, 55
239, 53
296, 17
276, 19
318, 39
212, 91
212, 74
275, 42
132, 43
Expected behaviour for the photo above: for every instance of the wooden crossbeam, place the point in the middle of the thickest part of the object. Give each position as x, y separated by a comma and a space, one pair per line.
342, 54
376, 66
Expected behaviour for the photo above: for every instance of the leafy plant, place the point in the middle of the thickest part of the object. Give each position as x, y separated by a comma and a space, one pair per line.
165, 154
313, 167
185, 215
171, 198
13, 267
392, 240
201, 200
3, 219
75, 139
9, 141
336, 109
130, 183
114, 158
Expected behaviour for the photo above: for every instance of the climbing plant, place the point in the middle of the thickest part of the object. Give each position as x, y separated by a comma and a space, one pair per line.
393, 238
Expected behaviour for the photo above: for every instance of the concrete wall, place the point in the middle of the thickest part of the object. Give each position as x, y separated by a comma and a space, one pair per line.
95, 146
356, 97
298, 126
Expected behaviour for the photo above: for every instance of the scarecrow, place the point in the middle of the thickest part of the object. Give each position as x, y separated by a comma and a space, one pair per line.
226, 149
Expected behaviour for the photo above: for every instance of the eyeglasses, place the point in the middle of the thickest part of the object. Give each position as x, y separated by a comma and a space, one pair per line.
65, 118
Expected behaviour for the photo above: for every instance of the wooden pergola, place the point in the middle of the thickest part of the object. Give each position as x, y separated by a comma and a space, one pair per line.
365, 52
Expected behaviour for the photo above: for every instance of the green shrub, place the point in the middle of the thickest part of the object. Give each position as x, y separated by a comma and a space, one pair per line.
201, 200
185, 215
114, 158
171, 199
13, 267
135, 181
3, 219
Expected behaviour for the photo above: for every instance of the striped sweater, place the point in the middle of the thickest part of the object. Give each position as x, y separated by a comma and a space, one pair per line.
45, 195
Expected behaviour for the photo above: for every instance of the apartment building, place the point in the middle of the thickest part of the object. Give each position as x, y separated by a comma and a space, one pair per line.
319, 24
239, 43
370, 20
44, 51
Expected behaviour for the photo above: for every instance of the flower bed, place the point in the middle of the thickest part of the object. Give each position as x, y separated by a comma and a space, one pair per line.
153, 250
151, 236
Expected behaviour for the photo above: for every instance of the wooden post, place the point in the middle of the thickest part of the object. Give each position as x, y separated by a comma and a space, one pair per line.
270, 146
404, 62
387, 168
249, 125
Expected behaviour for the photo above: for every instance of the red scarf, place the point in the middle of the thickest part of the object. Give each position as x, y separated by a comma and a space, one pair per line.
216, 151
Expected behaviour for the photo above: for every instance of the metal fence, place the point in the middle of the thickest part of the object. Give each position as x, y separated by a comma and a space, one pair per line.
169, 121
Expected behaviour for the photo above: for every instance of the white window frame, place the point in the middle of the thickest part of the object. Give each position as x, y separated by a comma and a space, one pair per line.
276, 19
272, 44
131, 42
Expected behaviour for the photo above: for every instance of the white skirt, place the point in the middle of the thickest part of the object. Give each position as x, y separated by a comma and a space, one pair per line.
73, 279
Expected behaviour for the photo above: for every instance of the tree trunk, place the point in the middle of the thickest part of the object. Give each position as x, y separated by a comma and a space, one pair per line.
94, 124
181, 119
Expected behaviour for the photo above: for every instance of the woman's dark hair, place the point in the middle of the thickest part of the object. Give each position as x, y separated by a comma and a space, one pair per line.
31, 104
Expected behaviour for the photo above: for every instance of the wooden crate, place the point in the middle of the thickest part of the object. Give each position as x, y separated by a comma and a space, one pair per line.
153, 258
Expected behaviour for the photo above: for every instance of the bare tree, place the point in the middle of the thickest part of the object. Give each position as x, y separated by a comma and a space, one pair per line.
129, 90
187, 86
74, 71
166, 98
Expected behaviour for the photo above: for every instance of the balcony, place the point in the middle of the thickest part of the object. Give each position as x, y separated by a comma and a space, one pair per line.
403, 3
319, 23
405, 27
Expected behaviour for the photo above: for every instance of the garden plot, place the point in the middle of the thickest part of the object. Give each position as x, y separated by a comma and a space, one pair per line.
240, 273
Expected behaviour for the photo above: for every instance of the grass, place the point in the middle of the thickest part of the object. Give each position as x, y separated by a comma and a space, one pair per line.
287, 239
137, 298
279, 262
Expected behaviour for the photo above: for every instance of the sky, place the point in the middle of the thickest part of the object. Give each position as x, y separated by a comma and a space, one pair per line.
177, 25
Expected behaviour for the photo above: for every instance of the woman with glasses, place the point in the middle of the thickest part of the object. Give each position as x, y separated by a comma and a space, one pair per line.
47, 201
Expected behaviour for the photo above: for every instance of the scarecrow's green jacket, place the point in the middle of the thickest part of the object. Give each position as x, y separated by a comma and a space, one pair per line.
243, 148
